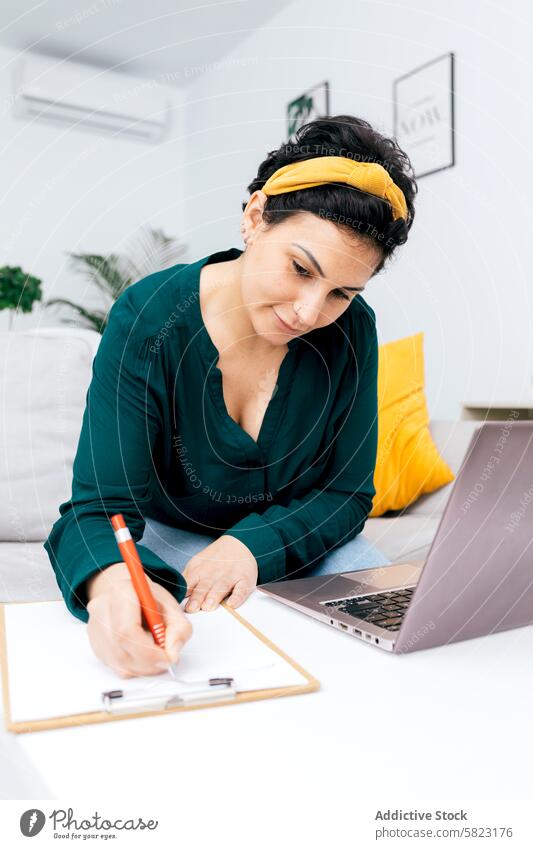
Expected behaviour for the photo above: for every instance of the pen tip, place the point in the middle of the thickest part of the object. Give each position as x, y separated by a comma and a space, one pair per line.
171, 670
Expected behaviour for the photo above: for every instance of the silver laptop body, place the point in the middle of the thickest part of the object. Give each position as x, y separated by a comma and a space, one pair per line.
477, 577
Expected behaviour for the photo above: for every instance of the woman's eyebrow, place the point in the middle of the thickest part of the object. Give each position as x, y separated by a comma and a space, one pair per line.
317, 266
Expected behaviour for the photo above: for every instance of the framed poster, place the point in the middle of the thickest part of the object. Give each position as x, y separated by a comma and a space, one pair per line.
308, 106
424, 115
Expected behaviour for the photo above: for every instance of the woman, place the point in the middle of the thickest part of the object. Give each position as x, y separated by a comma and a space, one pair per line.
232, 412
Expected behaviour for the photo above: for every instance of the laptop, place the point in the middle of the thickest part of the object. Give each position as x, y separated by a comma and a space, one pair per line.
477, 577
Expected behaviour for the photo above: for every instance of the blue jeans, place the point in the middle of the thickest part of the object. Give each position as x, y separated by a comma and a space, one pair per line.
176, 546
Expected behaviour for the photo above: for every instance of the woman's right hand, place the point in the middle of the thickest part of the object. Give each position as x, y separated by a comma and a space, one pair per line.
116, 630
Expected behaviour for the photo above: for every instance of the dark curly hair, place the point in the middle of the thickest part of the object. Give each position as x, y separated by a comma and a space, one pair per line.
357, 212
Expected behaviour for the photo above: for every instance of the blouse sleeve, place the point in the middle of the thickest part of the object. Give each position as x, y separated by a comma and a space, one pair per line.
287, 539
112, 467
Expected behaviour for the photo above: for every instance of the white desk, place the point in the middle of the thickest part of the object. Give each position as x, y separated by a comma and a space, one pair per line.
450, 722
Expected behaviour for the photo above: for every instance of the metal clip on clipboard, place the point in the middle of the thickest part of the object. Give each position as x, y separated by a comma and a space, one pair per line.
131, 701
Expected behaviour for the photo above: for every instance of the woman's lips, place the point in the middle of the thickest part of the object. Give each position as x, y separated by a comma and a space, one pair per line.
285, 326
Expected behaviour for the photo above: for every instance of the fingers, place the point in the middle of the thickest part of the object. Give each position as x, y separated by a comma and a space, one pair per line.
240, 593
144, 656
215, 594
208, 593
193, 573
188, 579
118, 637
178, 628
198, 593
147, 659
192, 581
101, 638
215, 572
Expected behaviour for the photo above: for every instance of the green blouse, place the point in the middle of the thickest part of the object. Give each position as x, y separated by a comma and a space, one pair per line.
158, 442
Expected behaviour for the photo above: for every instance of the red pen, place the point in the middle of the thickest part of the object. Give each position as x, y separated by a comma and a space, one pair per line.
140, 583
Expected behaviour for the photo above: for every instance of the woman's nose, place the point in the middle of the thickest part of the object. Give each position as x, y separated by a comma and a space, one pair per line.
307, 313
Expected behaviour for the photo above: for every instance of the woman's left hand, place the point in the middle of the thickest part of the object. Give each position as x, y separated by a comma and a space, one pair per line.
225, 567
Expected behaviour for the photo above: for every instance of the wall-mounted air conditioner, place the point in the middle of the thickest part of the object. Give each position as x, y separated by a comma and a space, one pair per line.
87, 98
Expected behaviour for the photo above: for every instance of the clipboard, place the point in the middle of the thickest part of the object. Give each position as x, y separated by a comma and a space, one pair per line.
141, 703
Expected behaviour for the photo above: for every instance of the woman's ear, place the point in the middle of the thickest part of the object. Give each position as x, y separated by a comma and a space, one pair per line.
253, 215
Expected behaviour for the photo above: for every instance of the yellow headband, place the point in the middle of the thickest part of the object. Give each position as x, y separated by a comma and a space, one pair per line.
368, 176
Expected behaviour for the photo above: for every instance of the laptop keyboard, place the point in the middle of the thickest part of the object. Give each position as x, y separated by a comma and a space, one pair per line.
384, 609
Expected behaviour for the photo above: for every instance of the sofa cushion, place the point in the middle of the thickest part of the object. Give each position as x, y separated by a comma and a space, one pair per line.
452, 439
45, 377
408, 462
401, 537
26, 573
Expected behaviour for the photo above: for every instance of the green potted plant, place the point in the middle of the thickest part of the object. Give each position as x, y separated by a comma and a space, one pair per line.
111, 274
18, 290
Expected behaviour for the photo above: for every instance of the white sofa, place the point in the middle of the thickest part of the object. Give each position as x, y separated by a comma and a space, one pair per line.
45, 376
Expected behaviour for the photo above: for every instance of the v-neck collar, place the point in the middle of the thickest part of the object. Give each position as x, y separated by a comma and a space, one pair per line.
210, 355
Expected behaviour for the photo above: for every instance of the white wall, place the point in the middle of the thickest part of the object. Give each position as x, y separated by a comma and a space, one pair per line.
463, 277
69, 190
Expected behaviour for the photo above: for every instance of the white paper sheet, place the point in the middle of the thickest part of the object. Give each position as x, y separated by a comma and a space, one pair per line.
53, 671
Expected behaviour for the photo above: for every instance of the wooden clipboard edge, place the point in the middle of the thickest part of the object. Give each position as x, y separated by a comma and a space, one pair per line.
102, 716
310, 680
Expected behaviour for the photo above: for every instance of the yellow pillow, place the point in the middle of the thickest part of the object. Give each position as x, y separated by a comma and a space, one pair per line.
408, 462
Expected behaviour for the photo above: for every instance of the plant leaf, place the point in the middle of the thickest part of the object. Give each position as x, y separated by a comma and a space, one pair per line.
105, 272
152, 250
97, 320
